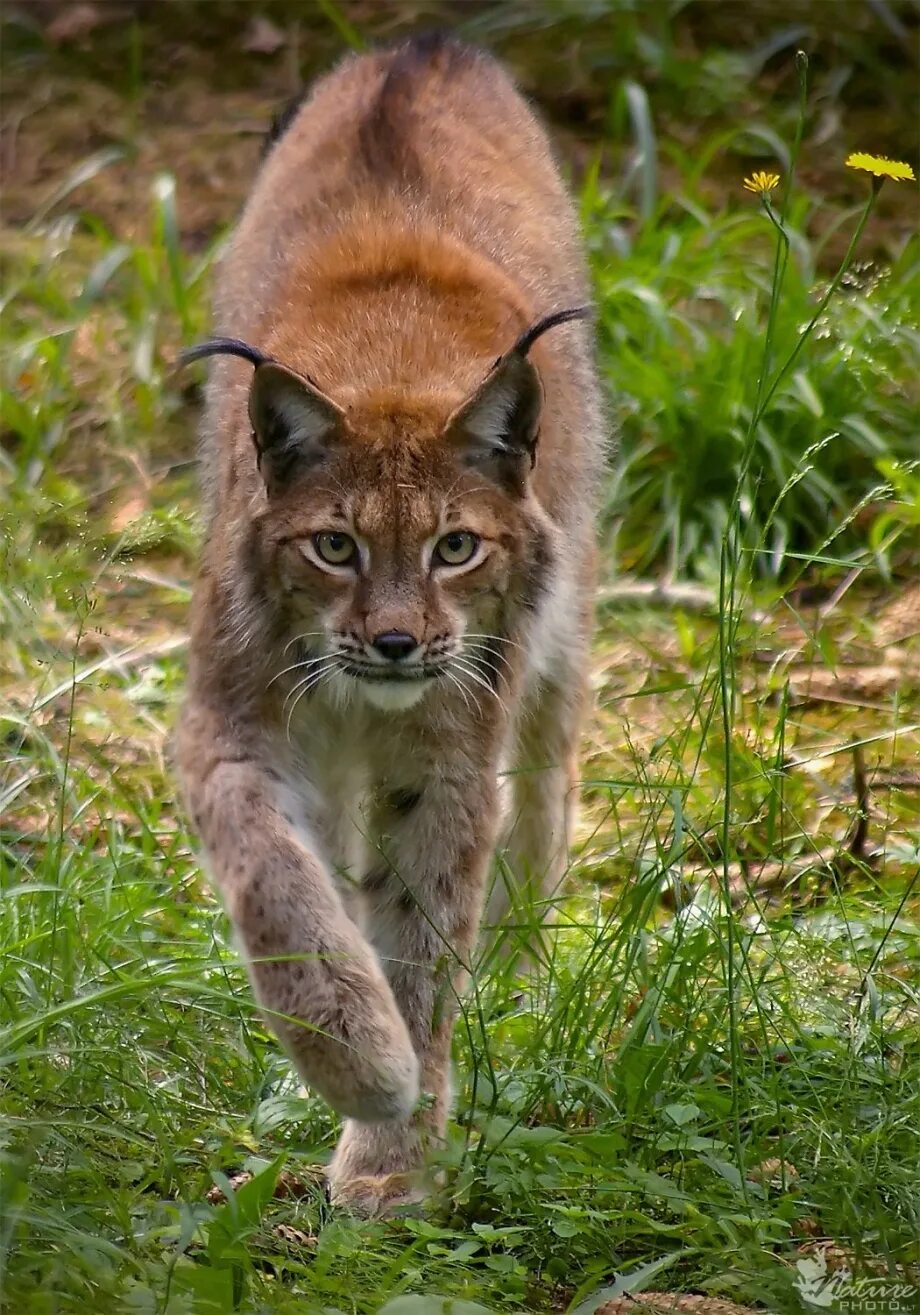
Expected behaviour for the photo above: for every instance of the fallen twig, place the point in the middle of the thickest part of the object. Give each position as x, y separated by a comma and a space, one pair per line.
660, 593
769, 876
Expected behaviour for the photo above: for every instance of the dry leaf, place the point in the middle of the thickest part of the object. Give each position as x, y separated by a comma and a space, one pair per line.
807, 1226
237, 1180
263, 37
129, 511
294, 1236
289, 1186
835, 1257
295, 1186
773, 1173
72, 23
671, 1303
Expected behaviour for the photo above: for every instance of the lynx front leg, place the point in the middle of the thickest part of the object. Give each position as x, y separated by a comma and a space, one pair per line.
423, 905
320, 983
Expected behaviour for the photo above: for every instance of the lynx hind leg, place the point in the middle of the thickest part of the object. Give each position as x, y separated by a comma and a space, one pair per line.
424, 902
379, 1167
542, 789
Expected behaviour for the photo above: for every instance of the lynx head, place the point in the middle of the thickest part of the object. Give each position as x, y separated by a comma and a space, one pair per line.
400, 532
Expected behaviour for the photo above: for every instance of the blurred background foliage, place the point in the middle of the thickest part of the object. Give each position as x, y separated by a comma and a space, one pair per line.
659, 109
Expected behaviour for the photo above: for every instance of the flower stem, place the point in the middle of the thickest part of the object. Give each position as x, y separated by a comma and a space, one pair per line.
780, 260
809, 327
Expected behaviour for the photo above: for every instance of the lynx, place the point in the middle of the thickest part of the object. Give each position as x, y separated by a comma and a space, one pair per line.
402, 447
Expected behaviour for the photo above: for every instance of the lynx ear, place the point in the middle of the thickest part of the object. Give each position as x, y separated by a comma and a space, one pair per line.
293, 423
497, 428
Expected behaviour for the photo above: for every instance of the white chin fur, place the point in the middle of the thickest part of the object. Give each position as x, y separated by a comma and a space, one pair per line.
393, 695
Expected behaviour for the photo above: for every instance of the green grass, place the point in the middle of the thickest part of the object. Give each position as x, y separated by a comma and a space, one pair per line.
718, 1057
682, 338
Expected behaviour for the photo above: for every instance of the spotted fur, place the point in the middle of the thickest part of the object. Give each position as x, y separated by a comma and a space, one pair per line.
384, 297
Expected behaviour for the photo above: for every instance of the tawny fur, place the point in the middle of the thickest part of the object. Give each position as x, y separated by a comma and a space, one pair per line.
403, 233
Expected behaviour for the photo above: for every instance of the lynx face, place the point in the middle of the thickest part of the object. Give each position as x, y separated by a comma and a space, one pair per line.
403, 560
403, 531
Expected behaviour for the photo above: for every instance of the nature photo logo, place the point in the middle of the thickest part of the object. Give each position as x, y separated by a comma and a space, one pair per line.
824, 1288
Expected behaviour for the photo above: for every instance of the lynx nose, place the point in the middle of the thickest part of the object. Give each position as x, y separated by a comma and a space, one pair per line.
394, 644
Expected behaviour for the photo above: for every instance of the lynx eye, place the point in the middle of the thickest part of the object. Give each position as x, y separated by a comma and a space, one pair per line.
335, 548
456, 548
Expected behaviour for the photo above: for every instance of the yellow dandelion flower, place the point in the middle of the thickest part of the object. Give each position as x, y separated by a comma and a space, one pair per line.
761, 182
881, 166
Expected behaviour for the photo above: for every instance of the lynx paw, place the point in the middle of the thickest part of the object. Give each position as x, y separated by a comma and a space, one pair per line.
378, 1168
374, 1195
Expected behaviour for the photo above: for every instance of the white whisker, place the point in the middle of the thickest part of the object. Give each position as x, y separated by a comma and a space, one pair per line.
495, 639
482, 652
329, 660
474, 694
455, 680
298, 666
313, 681
480, 680
308, 634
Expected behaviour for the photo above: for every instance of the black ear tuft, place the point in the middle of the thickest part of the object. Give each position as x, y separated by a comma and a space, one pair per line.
530, 336
292, 421
497, 428
223, 347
